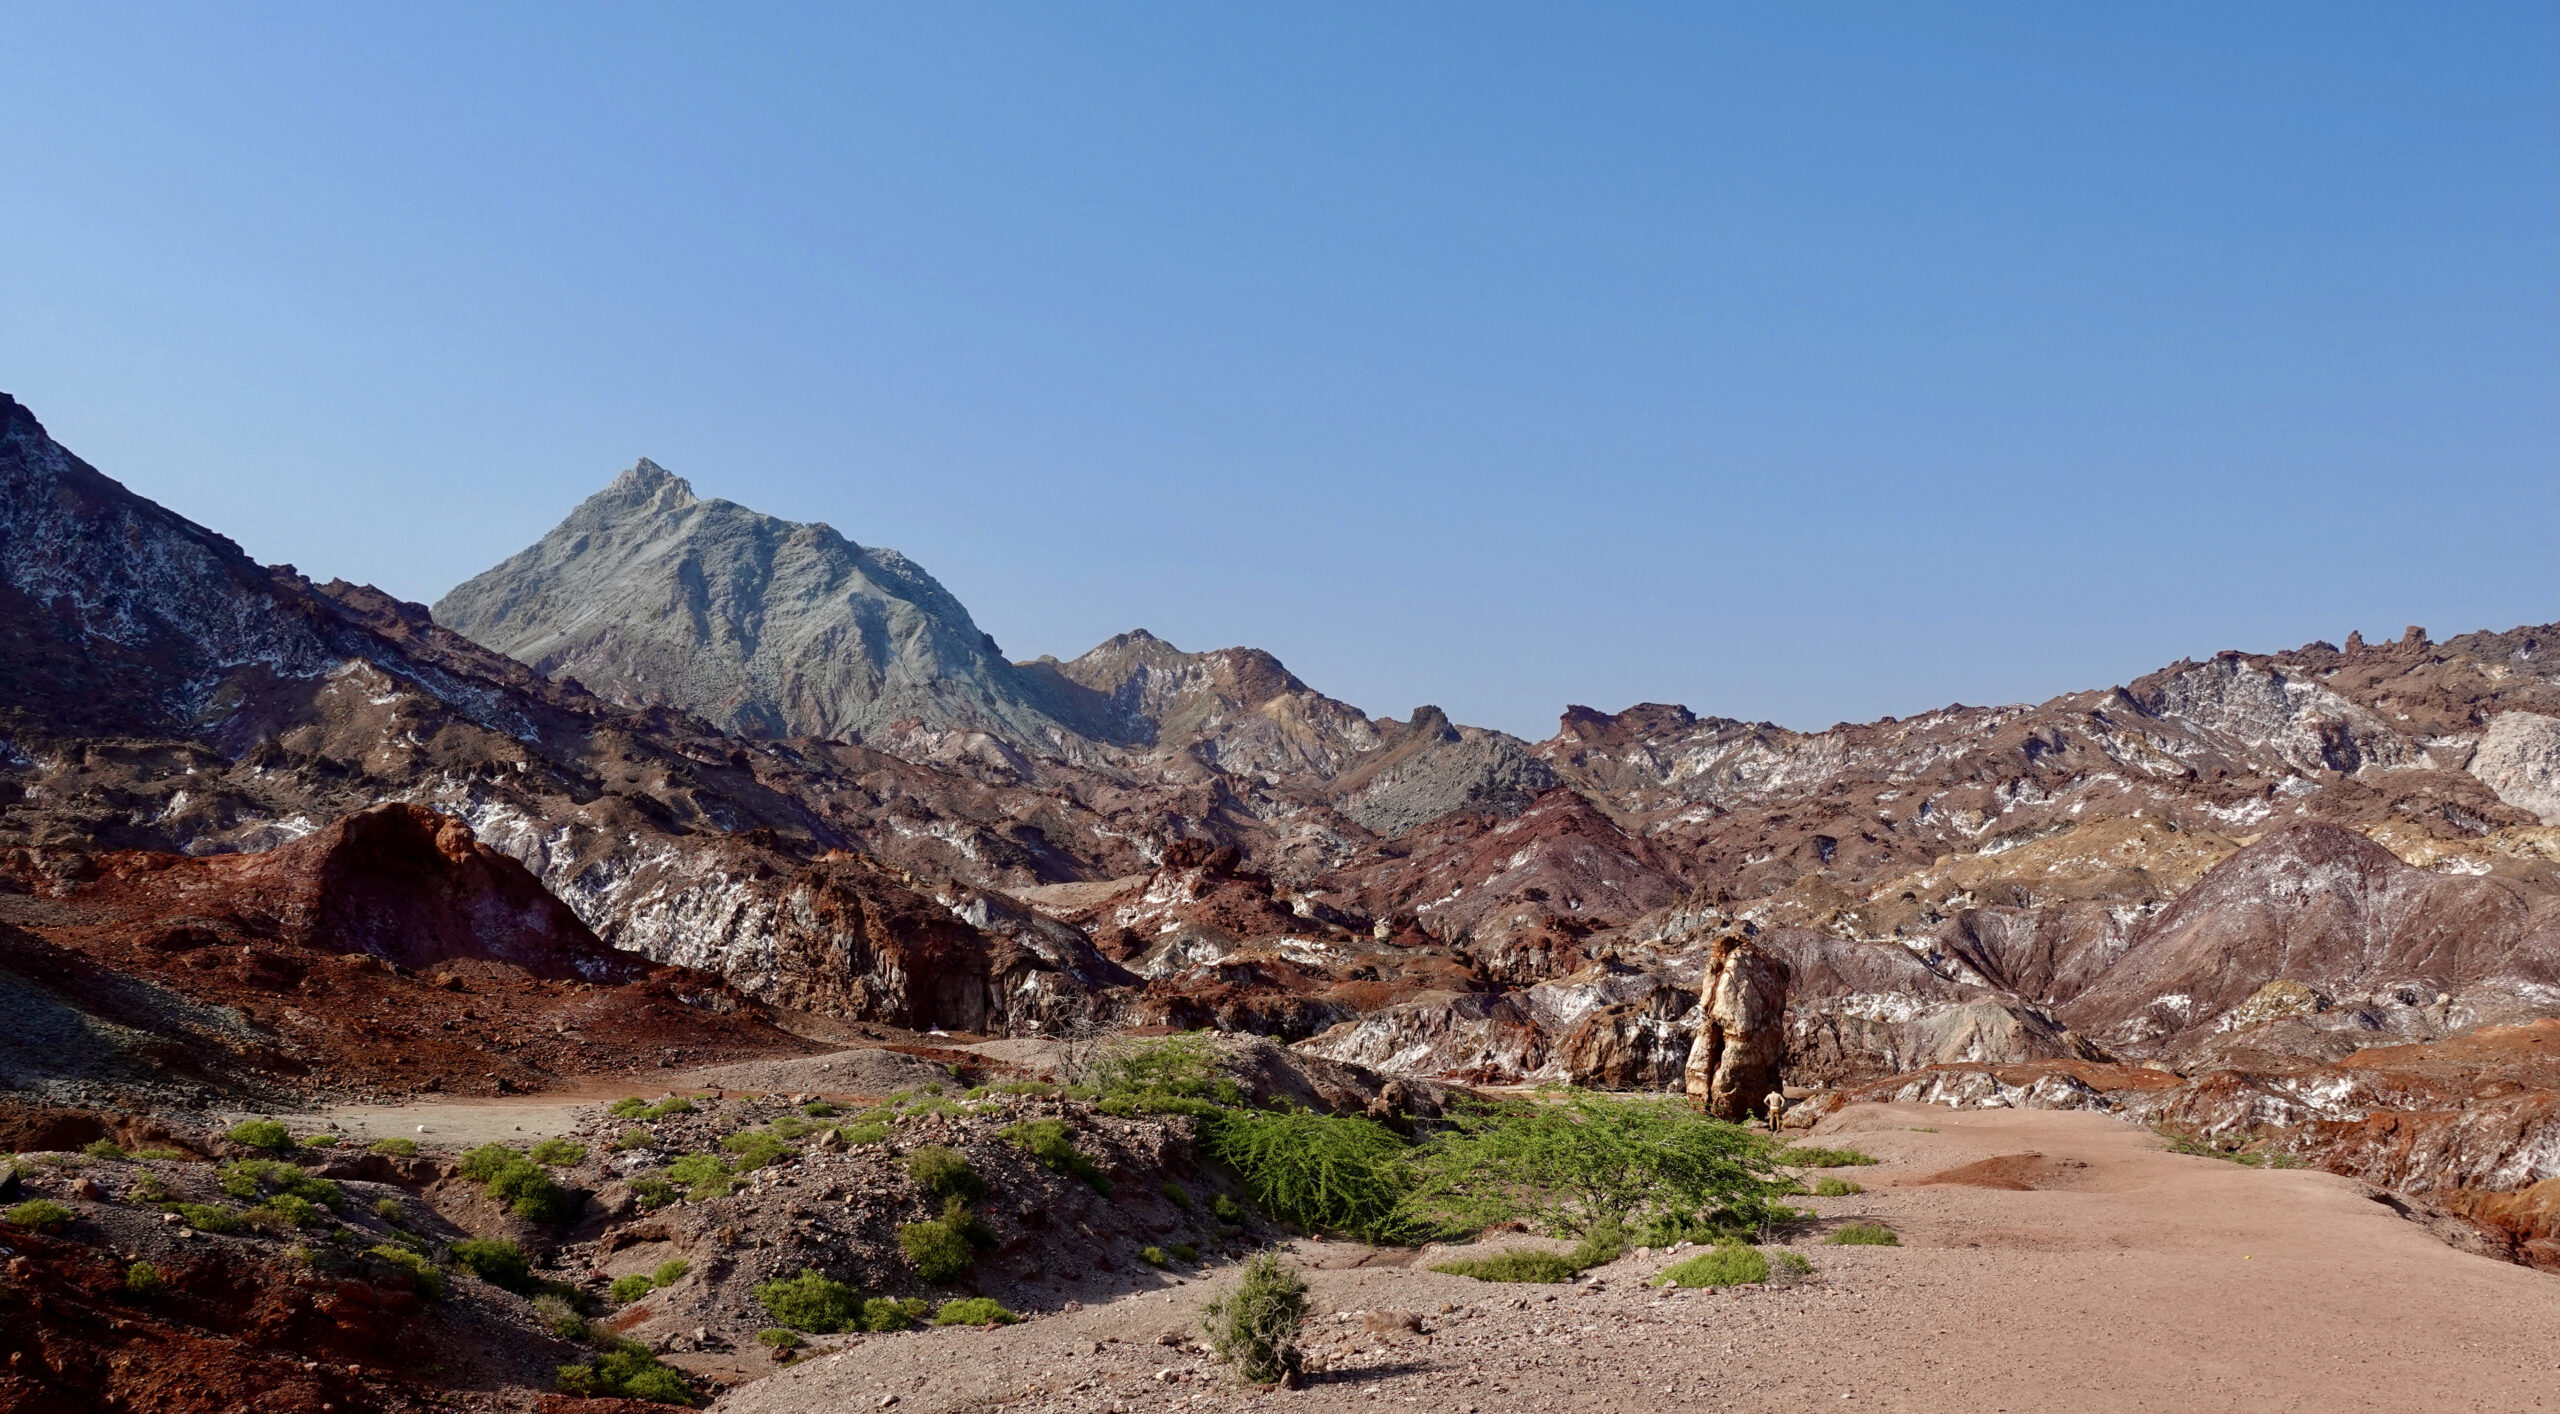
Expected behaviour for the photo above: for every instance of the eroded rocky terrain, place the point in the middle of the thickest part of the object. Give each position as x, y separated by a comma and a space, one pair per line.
683, 785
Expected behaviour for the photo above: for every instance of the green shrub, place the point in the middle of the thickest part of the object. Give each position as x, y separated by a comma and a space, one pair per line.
633, 1138
1160, 1072
1582, 1158
1837, 1188
1864, 1235
812, 1301
974, 1311
484, 1163
1254, 1328
1226, 1210
671, 1271
1732, 1264
651, 1191
498, 1263
1793, 1264
628, 1371
1026, 1087
164, 1155
628, 1107
756, 1148
320, 1141
529, 1192
142, 1281
389, 1210
1318, 1171
422, 1274
557, 1153
1512, 1266
626, 1290
149, 1189
2233, 1148
41, 1214
1175, 1194
103, 1149
869, 1132
788, 1126
1808, 1157
779, 1337
207, 1217
283, 1210
881, 1314
565, 1322
939, 1250
248, 1178
396, 1147
1048, 1143
1605, 1242
1184, 1252
819, 1109
1153, 1256
261, 1134
942, 1172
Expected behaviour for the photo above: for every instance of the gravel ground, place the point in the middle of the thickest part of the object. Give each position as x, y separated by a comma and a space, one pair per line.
2123, 1278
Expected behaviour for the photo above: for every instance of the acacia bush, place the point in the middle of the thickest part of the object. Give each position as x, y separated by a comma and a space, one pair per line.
1578, 1159
1322, 1172
1254, 1327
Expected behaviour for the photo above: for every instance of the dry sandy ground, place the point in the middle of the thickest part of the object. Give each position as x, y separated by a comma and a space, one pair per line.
2125, 1278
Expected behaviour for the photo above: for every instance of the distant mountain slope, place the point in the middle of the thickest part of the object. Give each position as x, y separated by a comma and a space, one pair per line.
649, 594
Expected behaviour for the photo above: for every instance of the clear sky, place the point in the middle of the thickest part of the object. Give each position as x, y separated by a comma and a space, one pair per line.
1809, 362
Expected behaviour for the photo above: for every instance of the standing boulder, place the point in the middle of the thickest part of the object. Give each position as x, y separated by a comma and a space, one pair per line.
1742, 1037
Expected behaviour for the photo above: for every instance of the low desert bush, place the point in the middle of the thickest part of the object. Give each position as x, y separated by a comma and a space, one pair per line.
1254, 1327
633, 1138
779, 1337
1175, 1194
701, 1176
1864, 1235
249, 1178
633, 1107
389, 1210
881, 1314
1792, 1263
943, 1249
422, 1274
142, 1281
1226, 1210
320, 1141
283, 1212
1732, 1264
1154, 1257
1814, 1157
557, 1153
1837, 1188
1183, 1252
868, 1132
2232, 1148
207, 1217
149, 1189
103, 1149
498, 1263
396, 1147
819, 1109
942, 1172
651, 1191
671, 1271
40, 1214
1512, 1266
974, 1311
626, 1371
164, 1155
813, 1302
261, 1134
1048, 1143
626, 1290
756, 1148
1575, 1159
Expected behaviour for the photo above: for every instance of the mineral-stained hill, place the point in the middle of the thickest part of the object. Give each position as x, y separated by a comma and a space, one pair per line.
804, 772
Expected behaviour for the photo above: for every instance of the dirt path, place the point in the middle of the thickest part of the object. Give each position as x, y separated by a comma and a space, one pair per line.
2099, 1272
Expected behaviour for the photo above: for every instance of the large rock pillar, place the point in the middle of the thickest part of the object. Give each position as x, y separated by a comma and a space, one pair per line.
1742, 1030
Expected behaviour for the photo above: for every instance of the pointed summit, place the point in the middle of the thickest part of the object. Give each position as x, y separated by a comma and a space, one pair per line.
650, 594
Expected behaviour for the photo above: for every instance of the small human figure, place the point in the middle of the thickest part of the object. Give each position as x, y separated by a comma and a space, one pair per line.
1776, 1100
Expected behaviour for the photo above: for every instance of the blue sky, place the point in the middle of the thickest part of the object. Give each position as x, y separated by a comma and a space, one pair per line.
1800, 362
